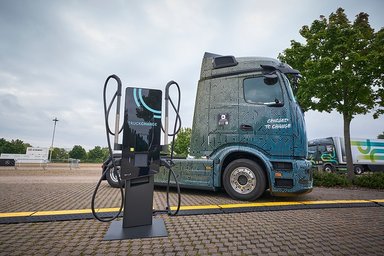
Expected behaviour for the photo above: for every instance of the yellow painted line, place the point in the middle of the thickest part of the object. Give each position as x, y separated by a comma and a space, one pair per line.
192, 207
43, 213
51, 213
63, 212
336, 202
195, 207
226, 206
15, 214
261, 204
281, 203
107, 210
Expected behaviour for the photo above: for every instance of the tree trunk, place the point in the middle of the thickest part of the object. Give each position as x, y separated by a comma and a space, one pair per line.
347, 144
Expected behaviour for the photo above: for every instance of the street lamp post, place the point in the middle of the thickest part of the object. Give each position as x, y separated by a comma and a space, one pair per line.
53, 137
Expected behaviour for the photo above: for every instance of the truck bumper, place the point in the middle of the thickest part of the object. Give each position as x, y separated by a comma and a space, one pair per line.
291, 181
288, 194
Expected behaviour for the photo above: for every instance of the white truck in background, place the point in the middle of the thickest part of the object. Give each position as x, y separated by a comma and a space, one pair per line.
329, 155
32, 155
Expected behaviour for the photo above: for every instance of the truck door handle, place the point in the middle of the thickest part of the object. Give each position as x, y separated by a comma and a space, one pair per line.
246, 127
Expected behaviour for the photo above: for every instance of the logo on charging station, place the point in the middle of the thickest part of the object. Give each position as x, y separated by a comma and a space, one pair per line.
138, 97
142, 123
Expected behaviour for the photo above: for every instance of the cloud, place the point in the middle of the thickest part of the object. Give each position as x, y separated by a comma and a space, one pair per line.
55, 55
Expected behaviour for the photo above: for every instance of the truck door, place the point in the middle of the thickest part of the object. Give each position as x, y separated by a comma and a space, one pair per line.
264, 114
223, 112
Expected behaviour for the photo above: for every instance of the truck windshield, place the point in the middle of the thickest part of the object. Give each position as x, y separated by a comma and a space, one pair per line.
263, 90
290, 91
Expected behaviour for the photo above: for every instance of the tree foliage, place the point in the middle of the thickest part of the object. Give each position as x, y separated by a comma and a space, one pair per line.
341, 64
97, 154
342, 68
60, 154
182, 142
78, 152
13, 147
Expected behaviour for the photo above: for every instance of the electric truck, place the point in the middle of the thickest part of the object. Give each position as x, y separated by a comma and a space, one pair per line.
328, 154
248, 132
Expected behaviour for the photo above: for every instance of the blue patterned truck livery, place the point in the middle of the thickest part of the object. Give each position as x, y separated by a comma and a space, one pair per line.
248, 133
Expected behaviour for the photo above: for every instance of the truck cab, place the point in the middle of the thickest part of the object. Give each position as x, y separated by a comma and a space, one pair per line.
248, 132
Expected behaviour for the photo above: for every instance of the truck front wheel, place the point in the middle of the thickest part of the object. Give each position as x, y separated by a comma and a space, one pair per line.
111, 176
244, 179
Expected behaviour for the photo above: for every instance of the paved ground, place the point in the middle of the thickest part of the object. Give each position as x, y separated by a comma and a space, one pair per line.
338, 231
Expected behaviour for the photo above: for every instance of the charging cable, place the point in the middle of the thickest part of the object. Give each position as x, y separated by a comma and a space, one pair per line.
168, 163
117, 97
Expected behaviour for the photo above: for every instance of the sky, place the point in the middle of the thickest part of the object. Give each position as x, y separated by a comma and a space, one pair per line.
56, 55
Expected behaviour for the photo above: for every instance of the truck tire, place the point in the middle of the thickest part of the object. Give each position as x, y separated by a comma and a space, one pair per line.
358, 169
112, 177
244, 179
328, 168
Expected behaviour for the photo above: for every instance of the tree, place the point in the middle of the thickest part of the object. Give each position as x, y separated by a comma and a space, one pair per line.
182, 142
13, 147
96, 154
78, 152
60, 154
105, 151
381, 136
4, 145
342, 69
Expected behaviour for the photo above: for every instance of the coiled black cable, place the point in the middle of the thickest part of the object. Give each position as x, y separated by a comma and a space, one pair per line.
108, 133
168, 164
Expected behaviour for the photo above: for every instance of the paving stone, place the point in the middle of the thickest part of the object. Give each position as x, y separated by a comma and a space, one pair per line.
344, 231
157, 251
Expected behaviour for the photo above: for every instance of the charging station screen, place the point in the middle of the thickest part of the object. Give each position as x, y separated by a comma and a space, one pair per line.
141, 134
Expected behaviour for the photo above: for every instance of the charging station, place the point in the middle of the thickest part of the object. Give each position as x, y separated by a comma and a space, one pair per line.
140, 161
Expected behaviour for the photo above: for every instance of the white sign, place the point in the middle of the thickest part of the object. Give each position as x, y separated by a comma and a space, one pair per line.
33, 155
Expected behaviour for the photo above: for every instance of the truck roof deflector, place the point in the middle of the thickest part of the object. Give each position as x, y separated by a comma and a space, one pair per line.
284, 68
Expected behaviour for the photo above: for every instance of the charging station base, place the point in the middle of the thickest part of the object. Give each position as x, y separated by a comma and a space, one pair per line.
117, 232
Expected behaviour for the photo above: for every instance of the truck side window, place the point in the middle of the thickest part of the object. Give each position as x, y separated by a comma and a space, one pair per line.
322, 149
312, 152
263, 90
